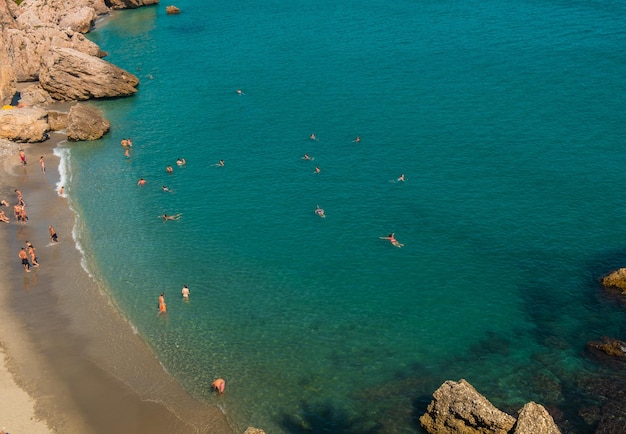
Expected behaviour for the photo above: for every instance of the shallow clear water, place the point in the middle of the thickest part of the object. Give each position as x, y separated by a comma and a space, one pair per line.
508, 122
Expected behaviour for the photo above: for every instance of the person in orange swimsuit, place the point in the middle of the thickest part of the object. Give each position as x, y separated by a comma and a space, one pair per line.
162, 305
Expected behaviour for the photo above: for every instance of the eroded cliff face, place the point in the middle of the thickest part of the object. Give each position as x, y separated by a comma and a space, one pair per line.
42, 41
33, 31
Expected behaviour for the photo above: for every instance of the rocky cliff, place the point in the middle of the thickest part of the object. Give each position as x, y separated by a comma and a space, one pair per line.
42, 41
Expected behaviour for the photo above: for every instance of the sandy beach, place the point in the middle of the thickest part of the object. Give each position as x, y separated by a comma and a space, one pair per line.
69, 360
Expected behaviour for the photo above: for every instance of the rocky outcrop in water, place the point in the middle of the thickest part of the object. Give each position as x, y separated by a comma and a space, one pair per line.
131, 4
615, 279
86, 123
458, 408
535, 419
67, 74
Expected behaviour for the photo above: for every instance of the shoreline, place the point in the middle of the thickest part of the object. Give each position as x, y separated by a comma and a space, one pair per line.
67, 346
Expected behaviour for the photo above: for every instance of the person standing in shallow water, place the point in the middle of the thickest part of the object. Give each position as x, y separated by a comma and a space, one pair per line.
162, 305
53, 234
185, 293
24, 257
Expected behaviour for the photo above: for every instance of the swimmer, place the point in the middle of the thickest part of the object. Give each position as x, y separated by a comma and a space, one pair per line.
61, 190
219, 385
53, 234
166, 189
179, 162
312, 136
317, 170
127, 153
392, 240
166, 217
401, 178
320, 212
141, 181
169, 169
219, 163
307, 157
240, 92
185, 293
357, 140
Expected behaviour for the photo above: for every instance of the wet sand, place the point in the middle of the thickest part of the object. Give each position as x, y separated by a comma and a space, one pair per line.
68, 347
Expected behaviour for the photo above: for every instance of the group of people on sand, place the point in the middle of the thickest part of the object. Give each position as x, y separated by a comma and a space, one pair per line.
320, 211
27, 254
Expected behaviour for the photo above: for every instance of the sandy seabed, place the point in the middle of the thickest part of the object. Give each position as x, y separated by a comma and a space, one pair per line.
69, 361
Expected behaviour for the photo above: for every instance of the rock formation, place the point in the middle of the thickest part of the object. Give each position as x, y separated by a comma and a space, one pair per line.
252, 430
609, 347
615, 279
24, 125
172, 10
67, 74
534, 419
458, 408
131, 4
86, 123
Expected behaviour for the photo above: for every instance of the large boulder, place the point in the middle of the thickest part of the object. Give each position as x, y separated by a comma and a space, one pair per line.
86, 123
8, 79
67, 74
24, 125
458, 408
535, 419
28, 47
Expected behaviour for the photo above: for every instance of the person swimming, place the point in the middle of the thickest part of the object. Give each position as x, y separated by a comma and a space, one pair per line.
166, 217
320, 212
392, 239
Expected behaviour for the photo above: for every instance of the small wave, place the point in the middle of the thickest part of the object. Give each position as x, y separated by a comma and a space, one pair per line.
65, 173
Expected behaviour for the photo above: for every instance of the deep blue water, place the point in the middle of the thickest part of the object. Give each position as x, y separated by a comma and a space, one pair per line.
508, 120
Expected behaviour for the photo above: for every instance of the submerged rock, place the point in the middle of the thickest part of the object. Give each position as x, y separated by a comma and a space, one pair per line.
615, 279
609, 347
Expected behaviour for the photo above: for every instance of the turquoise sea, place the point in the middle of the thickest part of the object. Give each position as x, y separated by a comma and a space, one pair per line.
508, 120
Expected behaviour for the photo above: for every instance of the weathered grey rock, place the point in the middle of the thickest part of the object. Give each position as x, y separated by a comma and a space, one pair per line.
27, 125
131, 4
68, 74
86, 123
458, 408
616, 279
535, 419
57, 121
252, 430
